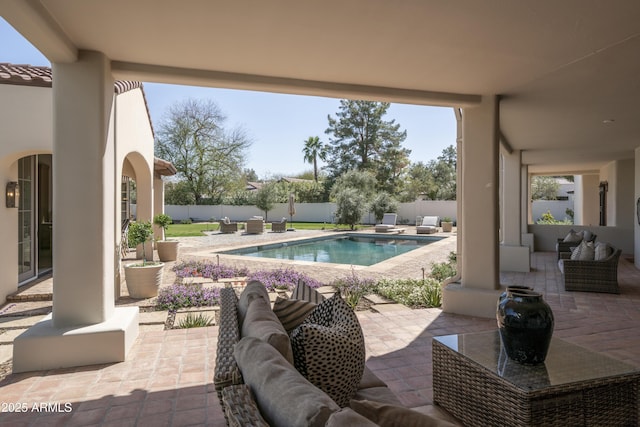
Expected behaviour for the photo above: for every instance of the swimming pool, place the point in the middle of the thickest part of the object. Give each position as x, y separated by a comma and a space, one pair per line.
355, 249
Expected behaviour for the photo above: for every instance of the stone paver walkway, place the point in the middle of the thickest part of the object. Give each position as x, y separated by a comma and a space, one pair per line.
167, 378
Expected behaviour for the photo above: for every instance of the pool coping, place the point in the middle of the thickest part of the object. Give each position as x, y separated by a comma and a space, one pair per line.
447, 240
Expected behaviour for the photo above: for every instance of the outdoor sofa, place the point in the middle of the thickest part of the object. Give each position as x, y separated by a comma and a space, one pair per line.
388, 223
259, 385
573, 239
255, 225
591, 275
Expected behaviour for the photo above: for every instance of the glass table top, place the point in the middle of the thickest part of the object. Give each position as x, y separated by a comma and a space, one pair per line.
566, 363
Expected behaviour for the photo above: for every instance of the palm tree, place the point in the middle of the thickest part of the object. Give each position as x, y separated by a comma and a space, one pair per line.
313, 150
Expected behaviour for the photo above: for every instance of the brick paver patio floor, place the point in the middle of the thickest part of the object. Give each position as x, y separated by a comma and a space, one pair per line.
167, 378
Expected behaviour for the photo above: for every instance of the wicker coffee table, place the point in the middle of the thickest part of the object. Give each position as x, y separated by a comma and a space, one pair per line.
475, 380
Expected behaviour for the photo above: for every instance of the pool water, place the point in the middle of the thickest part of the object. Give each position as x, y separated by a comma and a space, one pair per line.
349, 249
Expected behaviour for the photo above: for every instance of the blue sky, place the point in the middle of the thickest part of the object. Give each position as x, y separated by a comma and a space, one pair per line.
277, 124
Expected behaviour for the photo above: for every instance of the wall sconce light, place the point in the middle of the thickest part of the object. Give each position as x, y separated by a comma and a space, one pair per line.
13, 194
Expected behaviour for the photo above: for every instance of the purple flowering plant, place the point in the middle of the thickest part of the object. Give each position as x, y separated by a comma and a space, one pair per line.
208, 269
352, 287
282, 278
187, 295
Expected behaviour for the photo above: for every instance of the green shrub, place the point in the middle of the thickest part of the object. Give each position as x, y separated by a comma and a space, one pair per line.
186, 221
442, 270
195, 321
413, 293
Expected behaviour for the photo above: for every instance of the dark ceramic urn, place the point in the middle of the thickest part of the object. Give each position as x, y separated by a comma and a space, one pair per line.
525, 322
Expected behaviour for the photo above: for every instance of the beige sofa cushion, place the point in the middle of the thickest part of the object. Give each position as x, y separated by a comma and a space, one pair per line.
386, 415
347, 417
254, 289
382, 394
285, 397
261, 322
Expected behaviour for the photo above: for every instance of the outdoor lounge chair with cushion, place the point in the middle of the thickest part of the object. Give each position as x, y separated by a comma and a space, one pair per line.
388, 223
429, 225
255, 225
226, 226
280, 226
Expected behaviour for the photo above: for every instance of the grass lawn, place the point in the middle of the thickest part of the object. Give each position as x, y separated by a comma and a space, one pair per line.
198, 228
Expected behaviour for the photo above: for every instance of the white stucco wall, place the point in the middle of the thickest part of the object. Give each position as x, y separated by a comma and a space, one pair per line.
25, 129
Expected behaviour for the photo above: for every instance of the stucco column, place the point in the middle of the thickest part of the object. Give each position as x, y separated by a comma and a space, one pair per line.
85, 328
513, 256
83, 184
477, 291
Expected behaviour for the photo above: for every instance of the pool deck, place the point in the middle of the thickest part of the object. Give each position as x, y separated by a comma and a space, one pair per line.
408, 265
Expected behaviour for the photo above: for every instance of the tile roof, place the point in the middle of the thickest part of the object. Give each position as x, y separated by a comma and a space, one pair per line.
31, 75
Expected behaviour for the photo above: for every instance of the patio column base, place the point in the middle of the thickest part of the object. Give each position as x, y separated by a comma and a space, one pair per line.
459, 299
44, 346
515, 258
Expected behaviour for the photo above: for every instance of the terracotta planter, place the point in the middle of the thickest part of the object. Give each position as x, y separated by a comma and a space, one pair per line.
167, 250
447, 226
143, 281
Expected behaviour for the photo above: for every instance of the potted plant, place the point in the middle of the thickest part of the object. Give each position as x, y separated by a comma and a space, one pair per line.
167, 249
446, 224
143, 279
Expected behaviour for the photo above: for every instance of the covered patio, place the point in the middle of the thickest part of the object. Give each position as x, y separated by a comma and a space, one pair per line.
167, 377
545, 88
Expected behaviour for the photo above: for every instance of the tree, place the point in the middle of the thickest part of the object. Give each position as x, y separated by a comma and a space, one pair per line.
208, 157
352, 193
313, 150
436, 180
350, 206
544, 188
364, 182
382, 204
266, 197
362, 140
178, 193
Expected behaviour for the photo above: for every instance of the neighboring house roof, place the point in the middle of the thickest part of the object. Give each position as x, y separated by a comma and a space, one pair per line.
287, 179
253, 186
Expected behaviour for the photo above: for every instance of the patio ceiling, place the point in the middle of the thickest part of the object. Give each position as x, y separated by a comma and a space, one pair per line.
561, 68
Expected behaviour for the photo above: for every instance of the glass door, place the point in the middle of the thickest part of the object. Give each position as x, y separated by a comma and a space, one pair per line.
26, 253
45, 213
35, 216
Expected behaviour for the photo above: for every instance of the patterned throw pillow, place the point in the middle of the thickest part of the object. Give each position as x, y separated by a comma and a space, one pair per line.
328, 349
292, 312
573, 237
601, 251
303, 292
584, 252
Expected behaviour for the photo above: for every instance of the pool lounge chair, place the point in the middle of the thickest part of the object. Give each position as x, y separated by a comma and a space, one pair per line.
388, 223
429, 225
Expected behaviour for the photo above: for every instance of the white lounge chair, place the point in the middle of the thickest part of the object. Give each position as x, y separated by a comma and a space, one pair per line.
429, 225
388, 223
